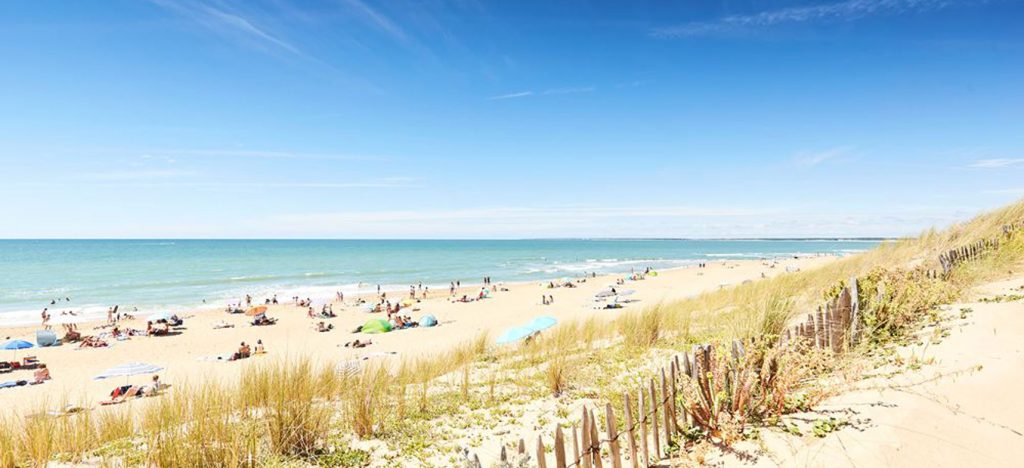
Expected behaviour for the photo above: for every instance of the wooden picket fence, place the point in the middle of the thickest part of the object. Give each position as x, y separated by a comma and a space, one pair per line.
659, 417
653, 423
965, 253
836, 326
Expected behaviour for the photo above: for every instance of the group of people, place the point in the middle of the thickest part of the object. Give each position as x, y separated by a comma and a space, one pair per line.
326, 312
244, 351
125, 392
547, 300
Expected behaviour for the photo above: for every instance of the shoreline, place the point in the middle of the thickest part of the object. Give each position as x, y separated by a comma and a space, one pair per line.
189, 356
86, 314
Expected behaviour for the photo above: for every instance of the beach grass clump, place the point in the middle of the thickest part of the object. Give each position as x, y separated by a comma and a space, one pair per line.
297, 416
641, 329
556, 373
366, 400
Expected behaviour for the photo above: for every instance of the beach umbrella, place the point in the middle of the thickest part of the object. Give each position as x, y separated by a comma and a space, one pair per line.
254, 311
128, 370
607, 293
16, 345
376, 326
515, 334
408, 302
542, 323
428, 321
626, 292
160, 316
368, 307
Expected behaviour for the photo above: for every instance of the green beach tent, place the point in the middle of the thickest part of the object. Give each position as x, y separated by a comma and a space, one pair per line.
376, 326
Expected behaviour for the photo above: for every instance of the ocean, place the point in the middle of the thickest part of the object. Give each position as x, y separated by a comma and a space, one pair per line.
174, 275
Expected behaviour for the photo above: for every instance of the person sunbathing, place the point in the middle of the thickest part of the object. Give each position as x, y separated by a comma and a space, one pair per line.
70, 334
263, 320
358, 344
122, 393
41, 374
259, 348
322, 327
92, 342
152, 388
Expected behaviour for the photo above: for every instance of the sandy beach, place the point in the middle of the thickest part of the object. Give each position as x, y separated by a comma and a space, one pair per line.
190, 357
954, 402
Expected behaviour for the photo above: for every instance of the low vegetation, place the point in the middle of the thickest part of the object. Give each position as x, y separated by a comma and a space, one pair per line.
304, 412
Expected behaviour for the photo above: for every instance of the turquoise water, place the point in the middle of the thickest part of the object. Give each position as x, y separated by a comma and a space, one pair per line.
175, 274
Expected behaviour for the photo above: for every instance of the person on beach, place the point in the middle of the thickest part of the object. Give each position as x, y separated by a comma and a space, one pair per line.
243, 352
259, 348
153, 387
41, 374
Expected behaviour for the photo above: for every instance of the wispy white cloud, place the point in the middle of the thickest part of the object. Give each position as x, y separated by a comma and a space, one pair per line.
135, 175
511, 95
378, 20
997, 163
814, 159
255, 154
840, 11
230, 23
584, 89
170, 179
546, 92
597, 221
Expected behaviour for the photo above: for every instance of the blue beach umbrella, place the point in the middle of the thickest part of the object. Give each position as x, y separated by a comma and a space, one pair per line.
514, 334
428, 321
16, 345
542, 323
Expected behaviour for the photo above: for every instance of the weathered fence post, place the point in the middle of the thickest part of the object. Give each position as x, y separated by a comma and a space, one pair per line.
585, 439
559, 448
642, 413
675, 385
613, 437
595, 441
654, 421
541, 462
575, 447
629, 430
665, 408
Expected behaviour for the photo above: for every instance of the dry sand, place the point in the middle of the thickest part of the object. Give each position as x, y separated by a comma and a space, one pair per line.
182, 356
953, 403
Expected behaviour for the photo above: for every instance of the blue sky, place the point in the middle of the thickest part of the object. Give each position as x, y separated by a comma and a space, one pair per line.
466, 119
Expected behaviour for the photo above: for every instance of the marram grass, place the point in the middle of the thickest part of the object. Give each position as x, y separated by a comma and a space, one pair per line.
308, 412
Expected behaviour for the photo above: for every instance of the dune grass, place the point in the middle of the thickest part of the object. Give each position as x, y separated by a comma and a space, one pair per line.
310, 413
